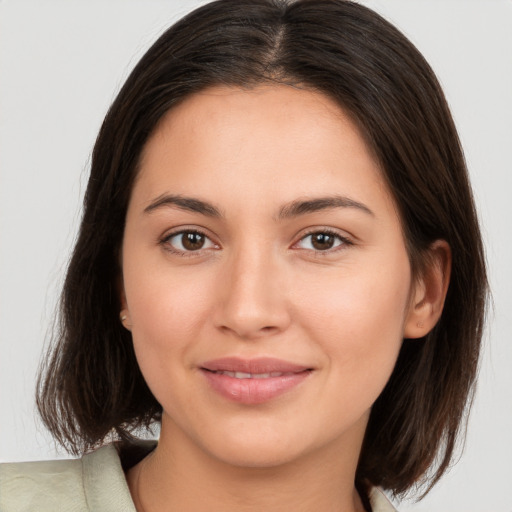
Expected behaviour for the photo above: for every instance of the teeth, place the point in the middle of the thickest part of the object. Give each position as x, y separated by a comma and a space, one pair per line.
244, 375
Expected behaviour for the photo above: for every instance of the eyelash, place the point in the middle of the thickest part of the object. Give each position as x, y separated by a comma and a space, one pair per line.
344, 241
165, 242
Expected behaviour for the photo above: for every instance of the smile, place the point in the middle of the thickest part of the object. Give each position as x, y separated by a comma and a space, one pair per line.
253, 381
243, 375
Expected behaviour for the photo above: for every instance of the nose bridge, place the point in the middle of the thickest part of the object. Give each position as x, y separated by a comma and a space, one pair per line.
252, 300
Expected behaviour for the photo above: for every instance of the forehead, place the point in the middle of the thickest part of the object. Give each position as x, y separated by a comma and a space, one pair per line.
237, 112
269, 141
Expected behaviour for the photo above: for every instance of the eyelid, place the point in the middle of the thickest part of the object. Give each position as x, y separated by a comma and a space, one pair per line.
345, 239
180, 230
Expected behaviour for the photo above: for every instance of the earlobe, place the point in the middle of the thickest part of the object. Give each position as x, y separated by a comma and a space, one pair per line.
429, 292
125, 319
124, 314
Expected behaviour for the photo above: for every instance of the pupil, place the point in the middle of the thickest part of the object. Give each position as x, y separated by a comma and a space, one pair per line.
322, 241
192, 241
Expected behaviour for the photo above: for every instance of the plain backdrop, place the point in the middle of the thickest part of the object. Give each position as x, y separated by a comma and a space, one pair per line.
61, 64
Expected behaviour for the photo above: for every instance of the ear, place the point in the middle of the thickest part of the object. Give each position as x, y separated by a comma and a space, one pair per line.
124, 314
429, 291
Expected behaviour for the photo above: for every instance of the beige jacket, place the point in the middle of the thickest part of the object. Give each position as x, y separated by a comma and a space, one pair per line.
94, 483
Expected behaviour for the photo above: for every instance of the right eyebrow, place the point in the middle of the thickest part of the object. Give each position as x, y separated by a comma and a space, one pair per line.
190, 204
303, 207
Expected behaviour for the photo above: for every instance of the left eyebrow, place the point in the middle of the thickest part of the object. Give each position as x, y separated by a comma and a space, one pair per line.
190, 204
302, 207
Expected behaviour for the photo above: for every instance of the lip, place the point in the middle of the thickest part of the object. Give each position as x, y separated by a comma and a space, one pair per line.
260, 387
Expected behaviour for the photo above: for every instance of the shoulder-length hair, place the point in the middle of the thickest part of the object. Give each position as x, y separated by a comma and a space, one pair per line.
91, 385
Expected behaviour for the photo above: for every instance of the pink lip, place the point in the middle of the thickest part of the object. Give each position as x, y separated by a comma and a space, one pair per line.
253, 390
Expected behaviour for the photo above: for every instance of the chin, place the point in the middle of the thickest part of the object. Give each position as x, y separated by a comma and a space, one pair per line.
262, 457
260, 447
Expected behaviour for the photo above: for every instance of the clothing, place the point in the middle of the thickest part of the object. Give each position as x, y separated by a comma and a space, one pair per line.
94, 483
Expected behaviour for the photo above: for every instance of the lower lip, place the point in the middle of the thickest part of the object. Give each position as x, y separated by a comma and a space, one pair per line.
253, 391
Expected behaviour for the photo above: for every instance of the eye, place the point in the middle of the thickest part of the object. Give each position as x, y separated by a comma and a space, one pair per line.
188, 241
322, 241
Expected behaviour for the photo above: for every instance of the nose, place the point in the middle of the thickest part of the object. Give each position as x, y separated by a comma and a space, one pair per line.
252, 301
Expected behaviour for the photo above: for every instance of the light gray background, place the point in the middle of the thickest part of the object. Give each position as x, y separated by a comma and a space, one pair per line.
61, 63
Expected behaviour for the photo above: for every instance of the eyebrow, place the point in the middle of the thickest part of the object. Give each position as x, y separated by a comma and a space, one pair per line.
293, 209
183, 203
302, 207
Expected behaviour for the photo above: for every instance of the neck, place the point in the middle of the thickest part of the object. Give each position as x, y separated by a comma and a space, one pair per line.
179, 475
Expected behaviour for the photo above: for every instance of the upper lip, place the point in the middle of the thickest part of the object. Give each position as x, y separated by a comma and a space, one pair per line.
255, 366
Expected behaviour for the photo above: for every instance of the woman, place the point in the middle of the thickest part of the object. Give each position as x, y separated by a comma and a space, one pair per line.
278, 238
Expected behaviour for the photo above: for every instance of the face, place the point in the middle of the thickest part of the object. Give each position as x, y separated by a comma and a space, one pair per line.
266, 280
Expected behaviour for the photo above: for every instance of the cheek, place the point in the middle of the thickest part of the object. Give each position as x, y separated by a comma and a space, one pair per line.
165, 332
358, 320
161, 299
167, 311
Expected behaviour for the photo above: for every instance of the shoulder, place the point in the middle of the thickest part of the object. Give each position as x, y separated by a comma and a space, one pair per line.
95, 482
44, 485
379, 502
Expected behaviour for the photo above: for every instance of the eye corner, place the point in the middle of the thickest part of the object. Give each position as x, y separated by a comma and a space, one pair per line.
327, 241
188, 242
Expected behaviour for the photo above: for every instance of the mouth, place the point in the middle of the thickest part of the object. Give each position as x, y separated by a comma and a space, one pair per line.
253, 381
244, 375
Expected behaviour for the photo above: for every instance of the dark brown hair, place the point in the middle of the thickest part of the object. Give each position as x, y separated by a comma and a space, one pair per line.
91, 385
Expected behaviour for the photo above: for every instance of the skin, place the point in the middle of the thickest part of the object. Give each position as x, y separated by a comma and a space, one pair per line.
259, 287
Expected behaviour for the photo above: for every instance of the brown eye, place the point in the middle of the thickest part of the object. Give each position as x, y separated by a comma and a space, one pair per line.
192, 241
322, 241
188, 241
